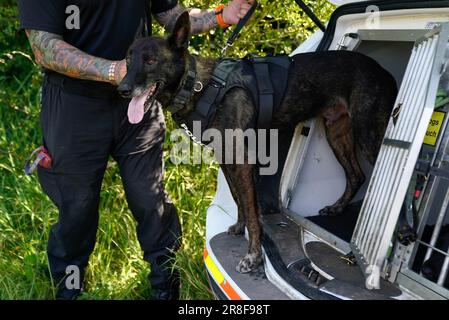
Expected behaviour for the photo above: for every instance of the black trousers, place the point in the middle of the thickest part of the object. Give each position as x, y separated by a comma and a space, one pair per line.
84, 123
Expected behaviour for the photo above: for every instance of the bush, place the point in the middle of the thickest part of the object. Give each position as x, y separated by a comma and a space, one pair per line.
277, 27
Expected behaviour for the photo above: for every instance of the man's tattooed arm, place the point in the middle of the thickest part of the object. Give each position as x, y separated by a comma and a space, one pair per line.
52, 52
201, 20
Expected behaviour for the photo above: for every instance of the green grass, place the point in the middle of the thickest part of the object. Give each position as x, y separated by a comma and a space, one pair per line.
116, 269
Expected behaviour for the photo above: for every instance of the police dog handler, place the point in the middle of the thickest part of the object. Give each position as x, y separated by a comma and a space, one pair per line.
81, 44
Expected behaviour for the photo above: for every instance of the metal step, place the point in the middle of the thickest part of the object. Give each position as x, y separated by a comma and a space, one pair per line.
229, 250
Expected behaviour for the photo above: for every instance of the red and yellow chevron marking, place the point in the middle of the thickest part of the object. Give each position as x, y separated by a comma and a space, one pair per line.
219, 278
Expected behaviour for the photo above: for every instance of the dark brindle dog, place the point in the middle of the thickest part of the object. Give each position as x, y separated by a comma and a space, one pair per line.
352, 93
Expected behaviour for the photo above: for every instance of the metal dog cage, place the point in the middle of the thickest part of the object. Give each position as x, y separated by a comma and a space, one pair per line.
427, 259
396, 161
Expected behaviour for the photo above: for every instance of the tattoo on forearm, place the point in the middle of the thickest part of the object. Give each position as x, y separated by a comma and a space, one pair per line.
168, 18
53, 53
201, 20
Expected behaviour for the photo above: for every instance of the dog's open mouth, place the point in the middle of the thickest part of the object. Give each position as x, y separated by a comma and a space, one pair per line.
139, 105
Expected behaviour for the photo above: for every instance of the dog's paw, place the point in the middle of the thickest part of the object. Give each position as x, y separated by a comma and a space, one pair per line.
237, 229
249, 263
334, 210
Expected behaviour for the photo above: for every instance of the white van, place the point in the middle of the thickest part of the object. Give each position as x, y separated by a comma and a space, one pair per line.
392, 241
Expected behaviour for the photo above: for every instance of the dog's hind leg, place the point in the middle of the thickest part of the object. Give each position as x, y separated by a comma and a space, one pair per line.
340, 136
247, 200
239, 227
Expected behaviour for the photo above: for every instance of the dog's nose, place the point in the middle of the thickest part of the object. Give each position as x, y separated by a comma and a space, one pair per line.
124, 90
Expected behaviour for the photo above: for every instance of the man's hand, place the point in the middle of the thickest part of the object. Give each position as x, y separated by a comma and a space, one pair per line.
204, 20
236, 10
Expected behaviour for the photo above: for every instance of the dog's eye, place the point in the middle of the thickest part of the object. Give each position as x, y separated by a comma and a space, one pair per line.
151, 61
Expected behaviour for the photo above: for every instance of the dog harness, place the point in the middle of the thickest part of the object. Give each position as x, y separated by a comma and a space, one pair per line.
264, 78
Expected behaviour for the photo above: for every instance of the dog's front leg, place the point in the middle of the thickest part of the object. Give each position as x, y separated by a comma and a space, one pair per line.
239, 227
243, 176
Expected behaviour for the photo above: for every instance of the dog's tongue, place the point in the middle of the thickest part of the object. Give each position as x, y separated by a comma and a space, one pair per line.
136, 107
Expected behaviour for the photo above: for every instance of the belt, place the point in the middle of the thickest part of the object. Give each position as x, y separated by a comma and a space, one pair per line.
86, 88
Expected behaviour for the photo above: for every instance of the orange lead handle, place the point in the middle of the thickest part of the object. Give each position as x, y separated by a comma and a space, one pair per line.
219, 14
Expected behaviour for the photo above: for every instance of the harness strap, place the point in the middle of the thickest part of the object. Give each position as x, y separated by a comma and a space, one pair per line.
266, 91
208, 98
218, 81
283, 62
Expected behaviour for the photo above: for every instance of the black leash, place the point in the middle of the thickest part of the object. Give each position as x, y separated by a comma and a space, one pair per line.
239, 28
311, 15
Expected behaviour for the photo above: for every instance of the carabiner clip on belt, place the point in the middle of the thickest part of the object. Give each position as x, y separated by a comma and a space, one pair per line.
43, 159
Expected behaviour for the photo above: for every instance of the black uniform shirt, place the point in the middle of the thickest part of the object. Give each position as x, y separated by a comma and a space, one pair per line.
106, 27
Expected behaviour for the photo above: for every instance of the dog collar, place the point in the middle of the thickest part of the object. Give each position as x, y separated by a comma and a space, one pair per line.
186, 88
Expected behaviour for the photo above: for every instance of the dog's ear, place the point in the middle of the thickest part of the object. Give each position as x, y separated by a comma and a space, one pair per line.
140, 33
179, 38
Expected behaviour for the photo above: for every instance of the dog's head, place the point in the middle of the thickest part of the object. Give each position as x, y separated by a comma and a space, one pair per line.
156, 65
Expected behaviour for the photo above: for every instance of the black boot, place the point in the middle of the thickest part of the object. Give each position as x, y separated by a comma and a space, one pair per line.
165, 294
169, 290
68, 294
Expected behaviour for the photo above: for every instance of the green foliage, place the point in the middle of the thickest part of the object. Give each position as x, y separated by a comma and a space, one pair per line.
277, 27
116, 270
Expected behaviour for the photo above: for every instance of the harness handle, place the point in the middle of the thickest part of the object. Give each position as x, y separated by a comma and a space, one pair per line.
239, 28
